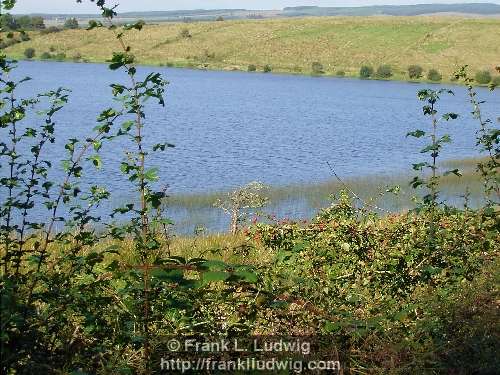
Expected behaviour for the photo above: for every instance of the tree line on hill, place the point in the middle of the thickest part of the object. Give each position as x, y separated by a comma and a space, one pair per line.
9, 22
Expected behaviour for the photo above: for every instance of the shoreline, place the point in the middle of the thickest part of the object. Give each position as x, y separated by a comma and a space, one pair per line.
274, 72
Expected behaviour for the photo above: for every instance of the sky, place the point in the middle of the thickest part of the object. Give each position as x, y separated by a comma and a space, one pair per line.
70, 6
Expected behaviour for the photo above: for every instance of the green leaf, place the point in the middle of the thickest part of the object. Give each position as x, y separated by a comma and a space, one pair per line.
416, 134
213, 276
151, 175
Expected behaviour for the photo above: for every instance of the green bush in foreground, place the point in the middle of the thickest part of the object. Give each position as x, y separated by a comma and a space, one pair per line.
415, 71
384, 72
483, 77
434, 75
366, 71
29, 53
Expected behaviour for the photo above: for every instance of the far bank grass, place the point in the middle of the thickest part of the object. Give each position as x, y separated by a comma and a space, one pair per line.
340, 44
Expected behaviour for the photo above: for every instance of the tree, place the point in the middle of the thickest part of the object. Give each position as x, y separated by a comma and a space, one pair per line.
415, 71
238, 202
483, 77
434, 75
71, 23
29, 53
366, 71
7, 22
384, 71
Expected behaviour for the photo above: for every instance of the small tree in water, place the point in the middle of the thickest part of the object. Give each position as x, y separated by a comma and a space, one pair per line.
239, 202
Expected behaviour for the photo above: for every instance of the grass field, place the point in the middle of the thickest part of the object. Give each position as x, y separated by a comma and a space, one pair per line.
340, 44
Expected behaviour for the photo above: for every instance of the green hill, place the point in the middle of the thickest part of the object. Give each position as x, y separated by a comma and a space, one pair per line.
339, 44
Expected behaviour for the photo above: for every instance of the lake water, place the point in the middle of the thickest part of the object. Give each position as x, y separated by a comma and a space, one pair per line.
231, 128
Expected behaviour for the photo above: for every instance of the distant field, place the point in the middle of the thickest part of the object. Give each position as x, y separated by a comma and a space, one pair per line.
340, 44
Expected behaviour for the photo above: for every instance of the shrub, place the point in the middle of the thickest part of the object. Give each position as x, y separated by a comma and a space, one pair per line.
340, 73
50, 30
71, 23
29, 53
317, 68
219, 19
252, 68
267, 68
483, 77
52, 49
415, 71
46, 56
434, 75
170, 64
60, 56
366, 71
77, 57
25, 37
185, 33
496, 81
384, 71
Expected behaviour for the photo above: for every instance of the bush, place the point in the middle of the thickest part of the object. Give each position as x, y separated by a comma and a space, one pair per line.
170, 64
50, 30
496, 81
219, 19
46, 56
340, 73
52, 49
317, 68
60, 56
71, 23
25, 37
415, 71
185, 33
77, 57
252, 68
384, 71
366, 71
267, 68
29, 53
483, 77
434, 75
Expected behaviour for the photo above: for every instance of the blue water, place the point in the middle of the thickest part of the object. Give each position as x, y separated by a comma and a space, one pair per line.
231, 128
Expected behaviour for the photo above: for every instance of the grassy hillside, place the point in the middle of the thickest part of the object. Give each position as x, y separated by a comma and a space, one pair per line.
292, 45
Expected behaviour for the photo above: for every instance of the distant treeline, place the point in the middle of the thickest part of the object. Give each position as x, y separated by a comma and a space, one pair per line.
393, 10
12, 23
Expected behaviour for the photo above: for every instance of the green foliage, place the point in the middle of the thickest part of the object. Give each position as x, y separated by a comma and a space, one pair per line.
415, 71
317, 68
384, 72
12, 23
434, 75
71, 23
340, 73
50, 30
496, 81
366, 72
29, 53
252, 68
483, 77
184, 33
46, 56
268, 68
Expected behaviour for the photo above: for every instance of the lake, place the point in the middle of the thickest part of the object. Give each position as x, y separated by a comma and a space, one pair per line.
231, 128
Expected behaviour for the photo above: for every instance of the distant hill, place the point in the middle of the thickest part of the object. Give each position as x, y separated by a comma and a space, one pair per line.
483, 9
486, 9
